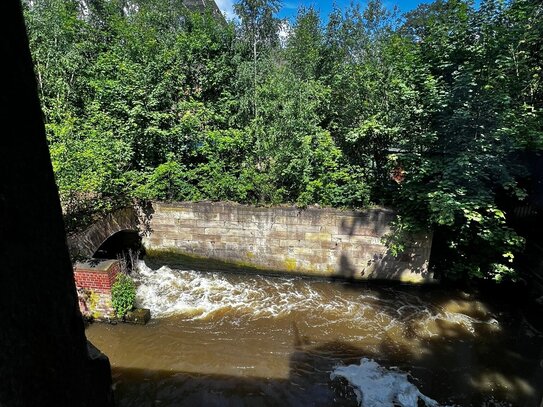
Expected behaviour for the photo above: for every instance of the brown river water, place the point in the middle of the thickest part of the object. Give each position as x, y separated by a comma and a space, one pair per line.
242, 339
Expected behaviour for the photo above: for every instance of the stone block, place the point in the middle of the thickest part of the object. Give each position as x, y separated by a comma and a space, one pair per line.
219, 231
325, 237
186, 223
204, 224
288, 235
182, 215
176, 235
290, 242
234, 247
208, 216
138, 316
245, 240
279, 227
158, 222
207, 238
162, 227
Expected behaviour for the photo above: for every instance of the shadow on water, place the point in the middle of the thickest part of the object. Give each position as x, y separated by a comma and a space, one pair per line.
144, 388
493, 359
452, 367
468, 367
308, 384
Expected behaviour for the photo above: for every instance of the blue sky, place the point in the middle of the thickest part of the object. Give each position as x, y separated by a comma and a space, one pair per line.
290, 6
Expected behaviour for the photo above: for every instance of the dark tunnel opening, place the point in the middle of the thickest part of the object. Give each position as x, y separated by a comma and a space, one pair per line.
120, 245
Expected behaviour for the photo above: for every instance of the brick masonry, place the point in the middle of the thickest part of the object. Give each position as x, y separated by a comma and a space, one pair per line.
94, 279
314, 241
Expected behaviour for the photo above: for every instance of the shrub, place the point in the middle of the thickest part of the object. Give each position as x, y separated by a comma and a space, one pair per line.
169, 181
123, 294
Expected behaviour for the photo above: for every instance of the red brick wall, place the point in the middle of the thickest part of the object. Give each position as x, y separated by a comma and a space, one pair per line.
96, 280
94, 289
112, 273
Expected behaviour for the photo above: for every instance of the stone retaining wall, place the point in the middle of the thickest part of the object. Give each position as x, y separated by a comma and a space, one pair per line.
323, 242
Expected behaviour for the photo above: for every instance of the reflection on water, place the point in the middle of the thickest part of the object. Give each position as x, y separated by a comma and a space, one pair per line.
244, 339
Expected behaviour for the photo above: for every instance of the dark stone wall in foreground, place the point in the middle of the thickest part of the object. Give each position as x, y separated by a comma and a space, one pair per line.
44, 360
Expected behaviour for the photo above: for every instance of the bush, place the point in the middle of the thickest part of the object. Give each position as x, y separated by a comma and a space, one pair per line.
169, 181
123, 294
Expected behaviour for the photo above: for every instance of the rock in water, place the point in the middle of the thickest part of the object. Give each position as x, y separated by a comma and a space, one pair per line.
138, 316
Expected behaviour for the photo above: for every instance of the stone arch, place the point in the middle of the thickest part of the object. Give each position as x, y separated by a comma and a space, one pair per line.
111, 230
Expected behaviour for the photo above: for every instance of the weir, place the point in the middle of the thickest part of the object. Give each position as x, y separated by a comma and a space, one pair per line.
231, 338
227, 332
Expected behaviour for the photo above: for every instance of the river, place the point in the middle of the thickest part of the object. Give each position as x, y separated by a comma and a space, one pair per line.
241, 339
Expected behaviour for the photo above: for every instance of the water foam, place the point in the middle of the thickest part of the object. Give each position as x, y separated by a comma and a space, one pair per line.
376, 386
203, 295
200, 295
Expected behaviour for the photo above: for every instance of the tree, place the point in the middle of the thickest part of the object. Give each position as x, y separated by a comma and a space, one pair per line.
368, 67
259, 29
144, 98
468, 161
305, 45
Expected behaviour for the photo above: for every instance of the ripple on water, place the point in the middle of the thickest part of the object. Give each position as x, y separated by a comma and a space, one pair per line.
222, 337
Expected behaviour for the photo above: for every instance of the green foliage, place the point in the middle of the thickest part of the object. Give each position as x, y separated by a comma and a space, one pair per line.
463, 163
222, 173
144, 99
168, 182
123, 294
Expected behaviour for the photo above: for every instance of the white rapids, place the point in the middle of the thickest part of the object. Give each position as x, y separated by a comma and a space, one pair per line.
201, 295
376, 386
244, 338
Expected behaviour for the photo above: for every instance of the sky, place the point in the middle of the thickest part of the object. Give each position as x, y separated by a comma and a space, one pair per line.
291, 6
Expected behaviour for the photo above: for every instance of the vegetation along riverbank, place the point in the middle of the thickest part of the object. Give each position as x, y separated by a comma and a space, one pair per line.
436, 113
